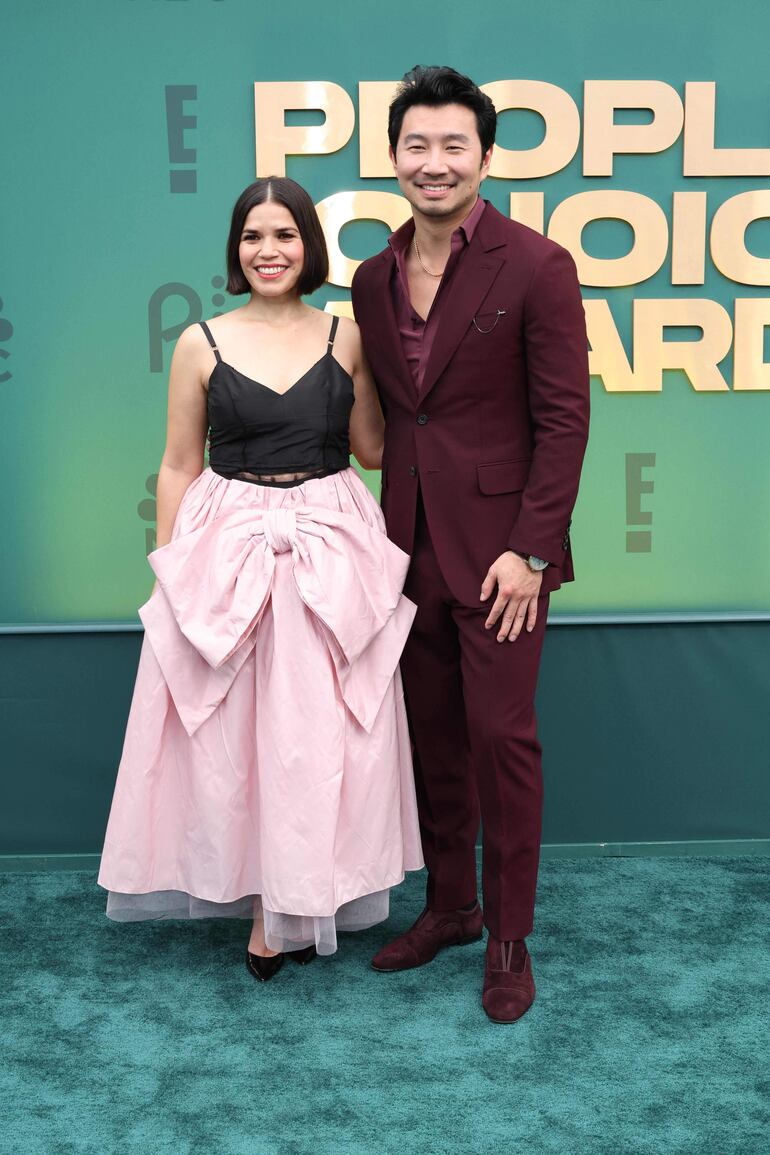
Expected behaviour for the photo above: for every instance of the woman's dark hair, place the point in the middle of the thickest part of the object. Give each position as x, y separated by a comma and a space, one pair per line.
436, 86
286, 192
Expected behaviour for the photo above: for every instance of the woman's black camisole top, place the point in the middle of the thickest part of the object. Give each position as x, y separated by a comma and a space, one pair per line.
257, 434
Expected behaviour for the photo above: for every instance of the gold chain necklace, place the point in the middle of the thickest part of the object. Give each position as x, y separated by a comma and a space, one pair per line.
436, 276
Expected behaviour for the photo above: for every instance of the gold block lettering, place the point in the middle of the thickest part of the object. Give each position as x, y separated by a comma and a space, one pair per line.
528, 208
699, 359
339, 308
750, 370
374, 97
562, 128
275, 140
728, 238
701, 156
603, 139
607, 357
340, 208
645, 217
688, 238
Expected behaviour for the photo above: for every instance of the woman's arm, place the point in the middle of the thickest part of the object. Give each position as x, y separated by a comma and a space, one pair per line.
367, 426
186, 431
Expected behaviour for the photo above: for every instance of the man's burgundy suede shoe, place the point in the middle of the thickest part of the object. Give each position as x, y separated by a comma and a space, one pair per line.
433, 930
509, 988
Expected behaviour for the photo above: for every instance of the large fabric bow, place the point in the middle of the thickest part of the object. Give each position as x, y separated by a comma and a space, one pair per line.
215, 583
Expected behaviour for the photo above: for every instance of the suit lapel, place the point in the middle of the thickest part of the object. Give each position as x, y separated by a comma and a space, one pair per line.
471, 281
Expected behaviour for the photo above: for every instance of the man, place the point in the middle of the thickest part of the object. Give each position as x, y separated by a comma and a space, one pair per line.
475, 331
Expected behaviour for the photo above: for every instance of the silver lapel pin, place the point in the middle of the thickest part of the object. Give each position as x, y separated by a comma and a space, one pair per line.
500, 313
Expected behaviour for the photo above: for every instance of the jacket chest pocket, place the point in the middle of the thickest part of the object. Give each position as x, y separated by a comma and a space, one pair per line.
491, 339
487, 321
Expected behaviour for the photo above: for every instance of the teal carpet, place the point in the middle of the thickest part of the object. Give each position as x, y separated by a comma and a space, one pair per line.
650, 1034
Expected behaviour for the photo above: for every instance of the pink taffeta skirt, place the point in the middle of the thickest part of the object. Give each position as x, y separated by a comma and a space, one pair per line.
267, 765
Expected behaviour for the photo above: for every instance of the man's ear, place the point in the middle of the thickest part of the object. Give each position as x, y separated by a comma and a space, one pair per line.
486, 161
392, 155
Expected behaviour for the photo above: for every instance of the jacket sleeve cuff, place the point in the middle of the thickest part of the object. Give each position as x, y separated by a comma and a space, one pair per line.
552, 552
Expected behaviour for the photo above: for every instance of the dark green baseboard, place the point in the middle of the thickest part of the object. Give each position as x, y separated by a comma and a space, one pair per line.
718, 848
655, 740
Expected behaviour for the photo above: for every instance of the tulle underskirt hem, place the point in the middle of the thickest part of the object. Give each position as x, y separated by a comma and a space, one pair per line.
283, 932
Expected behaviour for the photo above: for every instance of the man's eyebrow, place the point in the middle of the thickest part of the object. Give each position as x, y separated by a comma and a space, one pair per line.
412, 137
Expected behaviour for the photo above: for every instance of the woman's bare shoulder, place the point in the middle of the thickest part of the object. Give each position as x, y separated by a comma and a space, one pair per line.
191, 341
193, 352
349, 334
221, 323
194, 343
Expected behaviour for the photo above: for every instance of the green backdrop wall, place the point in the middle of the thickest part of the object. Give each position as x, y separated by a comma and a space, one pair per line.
115, 216
113, 232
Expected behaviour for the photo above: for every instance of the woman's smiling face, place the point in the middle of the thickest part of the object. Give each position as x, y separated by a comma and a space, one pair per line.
271, 251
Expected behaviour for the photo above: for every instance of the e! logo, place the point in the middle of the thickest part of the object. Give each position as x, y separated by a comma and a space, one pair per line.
638, 540
182, 180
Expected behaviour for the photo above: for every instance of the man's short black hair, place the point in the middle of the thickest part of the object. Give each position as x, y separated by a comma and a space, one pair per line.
439, 85
286, 192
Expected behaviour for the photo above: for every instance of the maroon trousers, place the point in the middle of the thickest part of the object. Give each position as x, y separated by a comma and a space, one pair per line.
470, 701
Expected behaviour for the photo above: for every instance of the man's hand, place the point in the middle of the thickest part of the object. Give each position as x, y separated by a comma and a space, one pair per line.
517, 592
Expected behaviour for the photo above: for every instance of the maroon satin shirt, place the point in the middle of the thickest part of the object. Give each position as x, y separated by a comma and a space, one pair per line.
416, 333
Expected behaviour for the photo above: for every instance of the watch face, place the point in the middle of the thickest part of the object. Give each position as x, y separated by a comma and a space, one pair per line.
536, 563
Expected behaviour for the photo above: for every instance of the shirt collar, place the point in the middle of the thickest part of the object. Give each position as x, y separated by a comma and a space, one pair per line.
401, 239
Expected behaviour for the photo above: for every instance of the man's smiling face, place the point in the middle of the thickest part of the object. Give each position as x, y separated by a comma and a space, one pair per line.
438, 160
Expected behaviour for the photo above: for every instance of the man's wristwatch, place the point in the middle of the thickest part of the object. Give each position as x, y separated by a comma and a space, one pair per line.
536, 564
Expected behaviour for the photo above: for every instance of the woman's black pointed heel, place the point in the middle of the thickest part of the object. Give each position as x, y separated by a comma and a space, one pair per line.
304, 956
264, 967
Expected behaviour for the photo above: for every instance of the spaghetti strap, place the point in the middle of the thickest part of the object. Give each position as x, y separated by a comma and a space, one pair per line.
210, 339
333, 332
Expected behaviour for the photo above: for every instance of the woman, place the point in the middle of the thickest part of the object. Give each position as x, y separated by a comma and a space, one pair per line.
266, 770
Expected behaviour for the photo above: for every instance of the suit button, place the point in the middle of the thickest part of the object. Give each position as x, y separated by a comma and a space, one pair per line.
422, 419
412, 470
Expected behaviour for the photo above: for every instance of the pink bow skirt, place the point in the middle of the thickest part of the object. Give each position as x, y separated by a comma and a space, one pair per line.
266, 765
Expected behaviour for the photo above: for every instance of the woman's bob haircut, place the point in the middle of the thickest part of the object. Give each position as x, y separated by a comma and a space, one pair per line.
286, 192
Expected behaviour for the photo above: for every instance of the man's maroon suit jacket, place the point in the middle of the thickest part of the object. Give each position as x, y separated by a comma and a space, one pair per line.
495, 438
